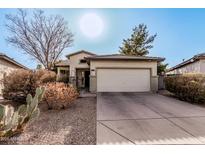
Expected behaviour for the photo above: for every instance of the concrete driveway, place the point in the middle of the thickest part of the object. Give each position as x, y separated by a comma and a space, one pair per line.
146, 118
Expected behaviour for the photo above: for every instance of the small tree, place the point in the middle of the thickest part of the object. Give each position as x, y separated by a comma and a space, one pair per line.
139, 43
42, 37
161, 68
39, 67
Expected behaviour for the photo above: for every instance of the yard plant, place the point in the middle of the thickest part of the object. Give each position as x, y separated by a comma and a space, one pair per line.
59, 95
18, 84
139, 43
43, 37
13, 122
188, 87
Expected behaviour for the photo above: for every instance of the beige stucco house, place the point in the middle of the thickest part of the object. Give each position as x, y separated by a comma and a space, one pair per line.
7, 65
110, 73
196, 64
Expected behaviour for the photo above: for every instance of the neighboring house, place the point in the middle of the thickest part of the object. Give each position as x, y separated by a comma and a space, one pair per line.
110, 73
196, 64
7, 65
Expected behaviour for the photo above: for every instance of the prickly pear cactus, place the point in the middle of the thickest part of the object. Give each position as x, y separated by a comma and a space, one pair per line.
8, 120
14, 122
32, 104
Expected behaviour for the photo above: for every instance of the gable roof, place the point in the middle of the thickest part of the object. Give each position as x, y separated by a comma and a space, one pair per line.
125, 57
189, 61
11, 60
79, 52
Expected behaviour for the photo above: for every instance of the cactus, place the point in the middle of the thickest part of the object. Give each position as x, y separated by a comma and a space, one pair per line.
14, 122
8, 120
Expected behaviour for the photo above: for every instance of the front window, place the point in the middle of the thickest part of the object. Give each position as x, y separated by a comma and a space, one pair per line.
62, 71
83, 61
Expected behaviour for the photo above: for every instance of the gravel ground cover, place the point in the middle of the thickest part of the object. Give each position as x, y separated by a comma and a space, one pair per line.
75, 125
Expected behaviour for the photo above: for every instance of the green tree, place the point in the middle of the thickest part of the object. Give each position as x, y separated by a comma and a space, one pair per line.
39, 67
161, 68
139, 43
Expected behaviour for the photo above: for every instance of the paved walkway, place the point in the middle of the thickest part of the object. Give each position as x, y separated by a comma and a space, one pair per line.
133, 118
85, 93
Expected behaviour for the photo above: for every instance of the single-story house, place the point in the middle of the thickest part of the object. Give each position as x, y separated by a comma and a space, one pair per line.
196, 64
7, 65
110, 73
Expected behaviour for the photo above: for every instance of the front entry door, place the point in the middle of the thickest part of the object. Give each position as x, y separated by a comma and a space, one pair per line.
83, 78
87, 79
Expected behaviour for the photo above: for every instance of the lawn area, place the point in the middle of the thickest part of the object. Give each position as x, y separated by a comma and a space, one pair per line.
74, 125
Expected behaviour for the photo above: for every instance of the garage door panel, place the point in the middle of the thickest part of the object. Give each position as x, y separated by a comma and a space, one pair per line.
123, 80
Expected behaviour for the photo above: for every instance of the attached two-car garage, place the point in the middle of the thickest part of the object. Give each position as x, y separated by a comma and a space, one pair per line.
123, 80
121, 73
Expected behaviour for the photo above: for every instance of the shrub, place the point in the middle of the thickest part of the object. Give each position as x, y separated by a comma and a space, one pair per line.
44, 76
59, 95
189, 87
19, 83
12, 122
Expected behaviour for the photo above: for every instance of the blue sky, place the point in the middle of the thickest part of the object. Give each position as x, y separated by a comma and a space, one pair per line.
180, 32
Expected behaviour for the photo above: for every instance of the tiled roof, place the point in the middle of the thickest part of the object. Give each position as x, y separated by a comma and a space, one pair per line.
124, 57
11, 60
78, 52
191, 60
63, 63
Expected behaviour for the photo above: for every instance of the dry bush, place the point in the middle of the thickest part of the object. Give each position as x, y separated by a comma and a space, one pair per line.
59, 95
44, 76
19, 83
189, 87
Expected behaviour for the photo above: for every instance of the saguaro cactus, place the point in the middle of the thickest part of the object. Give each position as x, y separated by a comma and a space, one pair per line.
14, 122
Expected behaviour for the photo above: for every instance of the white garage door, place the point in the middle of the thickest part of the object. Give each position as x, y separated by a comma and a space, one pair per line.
123, 80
